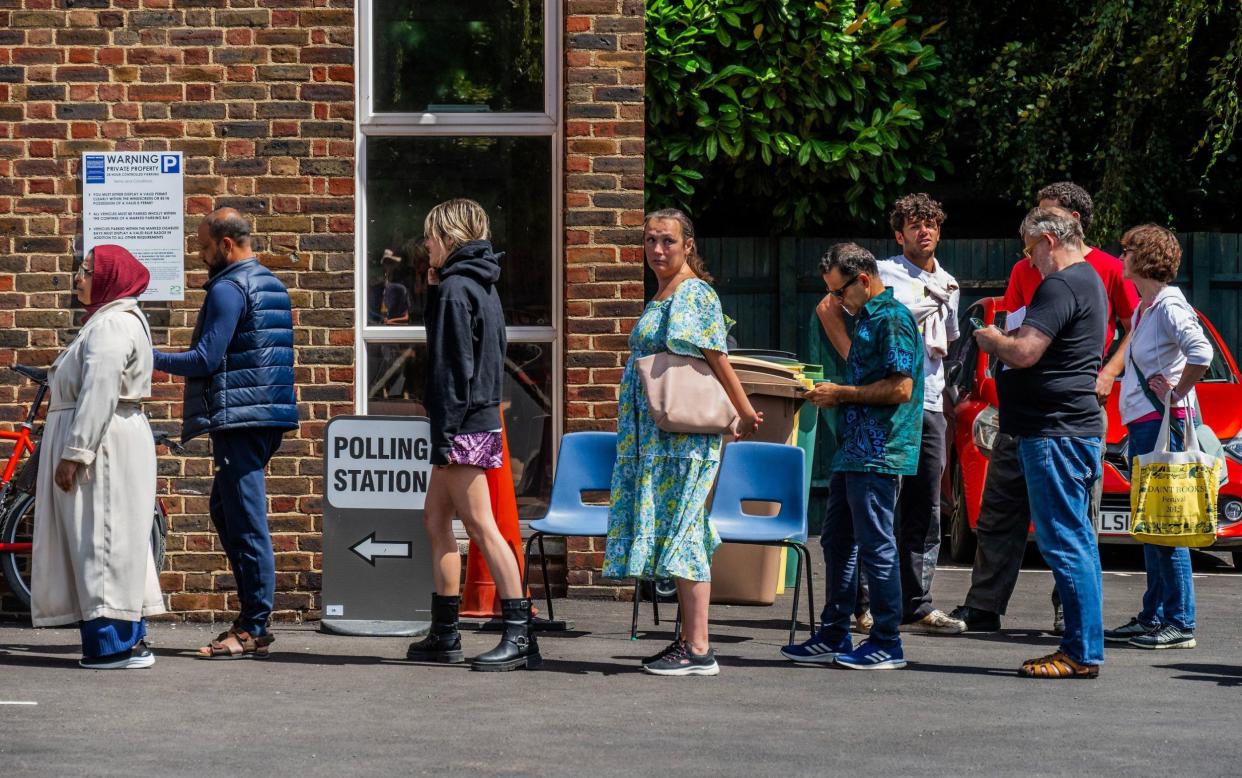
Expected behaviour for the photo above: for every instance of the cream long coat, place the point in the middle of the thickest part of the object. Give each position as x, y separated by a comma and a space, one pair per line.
92, 544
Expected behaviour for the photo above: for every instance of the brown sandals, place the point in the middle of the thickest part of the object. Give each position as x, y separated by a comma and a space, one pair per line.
1057, 665
234, 643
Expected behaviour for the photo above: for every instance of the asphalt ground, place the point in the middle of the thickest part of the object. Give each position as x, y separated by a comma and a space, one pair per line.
330, 706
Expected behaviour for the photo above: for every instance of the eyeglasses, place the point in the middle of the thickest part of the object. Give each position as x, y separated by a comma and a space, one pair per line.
1026, 250
83, 270
840, 293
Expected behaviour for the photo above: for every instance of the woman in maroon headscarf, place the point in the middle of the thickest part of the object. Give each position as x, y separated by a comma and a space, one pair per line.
92, 562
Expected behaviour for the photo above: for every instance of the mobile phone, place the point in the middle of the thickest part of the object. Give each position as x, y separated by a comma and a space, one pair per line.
976, 323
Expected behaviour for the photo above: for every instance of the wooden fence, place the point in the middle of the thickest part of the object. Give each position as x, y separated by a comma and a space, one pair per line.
771, 286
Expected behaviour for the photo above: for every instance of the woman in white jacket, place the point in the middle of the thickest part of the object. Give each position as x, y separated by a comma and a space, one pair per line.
1167, 355
92, 562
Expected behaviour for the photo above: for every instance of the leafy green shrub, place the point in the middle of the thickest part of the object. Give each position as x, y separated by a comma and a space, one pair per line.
1137, 101
808, 110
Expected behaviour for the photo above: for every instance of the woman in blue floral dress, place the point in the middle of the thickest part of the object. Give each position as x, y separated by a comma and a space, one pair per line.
657, 525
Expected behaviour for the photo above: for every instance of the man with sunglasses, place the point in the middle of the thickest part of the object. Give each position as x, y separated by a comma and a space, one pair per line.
880, 431
1004, 516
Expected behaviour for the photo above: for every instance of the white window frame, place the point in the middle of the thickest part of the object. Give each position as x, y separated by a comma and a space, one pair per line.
453, 124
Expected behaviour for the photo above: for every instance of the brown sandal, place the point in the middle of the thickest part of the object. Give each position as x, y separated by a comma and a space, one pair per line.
1058, 665
236, 643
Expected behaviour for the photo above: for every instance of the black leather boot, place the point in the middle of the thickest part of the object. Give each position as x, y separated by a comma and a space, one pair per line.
518, 647
443, 643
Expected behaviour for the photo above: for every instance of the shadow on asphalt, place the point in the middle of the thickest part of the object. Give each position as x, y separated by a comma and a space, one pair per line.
1221, 675
1025, 636
664, 637
575, 667
924, 667
772, 624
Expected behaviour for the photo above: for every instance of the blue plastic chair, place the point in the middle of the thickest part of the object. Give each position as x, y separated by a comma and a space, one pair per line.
584, 464
766, 472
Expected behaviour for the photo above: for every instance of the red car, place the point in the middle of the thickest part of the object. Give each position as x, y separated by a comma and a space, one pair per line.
970, 408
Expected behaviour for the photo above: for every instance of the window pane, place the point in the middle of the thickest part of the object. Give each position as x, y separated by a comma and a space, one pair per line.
396, 372
510, 177
457, 55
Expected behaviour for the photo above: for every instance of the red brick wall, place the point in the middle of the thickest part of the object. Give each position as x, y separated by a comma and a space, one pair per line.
604, 77
261, 101
259, 96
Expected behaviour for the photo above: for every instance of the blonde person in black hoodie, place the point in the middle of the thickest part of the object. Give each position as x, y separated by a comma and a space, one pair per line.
466, 345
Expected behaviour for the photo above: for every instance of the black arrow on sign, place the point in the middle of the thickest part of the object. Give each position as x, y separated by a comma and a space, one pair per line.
369, 549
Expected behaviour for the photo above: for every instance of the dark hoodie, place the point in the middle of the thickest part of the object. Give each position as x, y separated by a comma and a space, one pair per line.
466, 344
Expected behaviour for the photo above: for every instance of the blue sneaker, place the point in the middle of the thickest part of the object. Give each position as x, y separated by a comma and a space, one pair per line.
817, 651
872, 656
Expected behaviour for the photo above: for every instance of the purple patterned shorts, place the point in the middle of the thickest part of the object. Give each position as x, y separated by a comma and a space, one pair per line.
479, 449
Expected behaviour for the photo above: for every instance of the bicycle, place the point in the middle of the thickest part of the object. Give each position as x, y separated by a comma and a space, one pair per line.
17, 494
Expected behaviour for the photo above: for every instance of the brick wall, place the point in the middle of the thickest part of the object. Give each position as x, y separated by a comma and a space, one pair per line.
604, 80
259, 96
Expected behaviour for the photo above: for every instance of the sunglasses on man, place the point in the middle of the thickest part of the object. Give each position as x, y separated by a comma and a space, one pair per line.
840, 293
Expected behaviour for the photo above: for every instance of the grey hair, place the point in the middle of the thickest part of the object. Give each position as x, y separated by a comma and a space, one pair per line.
1057, 222
849, 259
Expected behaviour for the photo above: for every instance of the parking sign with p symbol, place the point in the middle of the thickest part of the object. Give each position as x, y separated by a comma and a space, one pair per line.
170, 163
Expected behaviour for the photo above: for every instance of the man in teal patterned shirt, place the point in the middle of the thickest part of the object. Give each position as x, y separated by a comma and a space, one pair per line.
880, 425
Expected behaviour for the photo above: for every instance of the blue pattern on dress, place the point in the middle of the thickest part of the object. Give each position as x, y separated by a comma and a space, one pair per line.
657, 523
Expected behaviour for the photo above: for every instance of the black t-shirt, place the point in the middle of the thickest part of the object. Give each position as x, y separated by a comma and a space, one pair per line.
1055, 397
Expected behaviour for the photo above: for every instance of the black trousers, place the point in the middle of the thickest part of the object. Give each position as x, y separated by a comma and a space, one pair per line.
918, 522
1003, 526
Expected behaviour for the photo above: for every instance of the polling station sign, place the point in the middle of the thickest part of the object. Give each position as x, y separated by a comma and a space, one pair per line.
136, 199
376, 559
378, 463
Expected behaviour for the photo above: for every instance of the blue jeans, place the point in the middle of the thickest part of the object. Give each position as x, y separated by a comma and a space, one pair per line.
1170, 595
859, 525
239, 511
1059, 475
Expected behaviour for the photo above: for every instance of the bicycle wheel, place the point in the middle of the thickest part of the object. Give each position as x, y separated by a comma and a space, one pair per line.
17, 526
159, 535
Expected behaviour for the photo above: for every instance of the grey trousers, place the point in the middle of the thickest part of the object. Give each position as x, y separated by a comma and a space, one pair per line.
1004, 522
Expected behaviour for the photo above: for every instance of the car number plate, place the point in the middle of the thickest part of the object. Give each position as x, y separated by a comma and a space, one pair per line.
1114, 522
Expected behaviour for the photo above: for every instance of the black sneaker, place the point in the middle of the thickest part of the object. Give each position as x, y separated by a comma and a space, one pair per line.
136, 658
1168, 636
660, 654
679, 661
977, 620
1128, 631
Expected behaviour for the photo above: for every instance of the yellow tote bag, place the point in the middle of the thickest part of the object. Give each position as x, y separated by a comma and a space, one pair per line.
1173, 495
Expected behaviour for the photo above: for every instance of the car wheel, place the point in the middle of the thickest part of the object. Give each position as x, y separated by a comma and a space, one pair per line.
961, 536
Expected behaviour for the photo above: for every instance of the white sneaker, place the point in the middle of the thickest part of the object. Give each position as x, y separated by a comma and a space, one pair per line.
137, 658
936, 623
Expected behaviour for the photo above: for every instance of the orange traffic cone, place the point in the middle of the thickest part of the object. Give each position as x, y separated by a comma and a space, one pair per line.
479, 598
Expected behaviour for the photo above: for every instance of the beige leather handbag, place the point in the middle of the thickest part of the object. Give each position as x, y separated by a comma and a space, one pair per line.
684, 395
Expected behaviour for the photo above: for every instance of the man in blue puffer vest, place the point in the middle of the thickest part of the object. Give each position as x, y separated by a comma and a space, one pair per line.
239, 391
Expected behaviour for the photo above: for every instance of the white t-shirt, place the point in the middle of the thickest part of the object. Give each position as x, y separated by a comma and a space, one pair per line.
909, 284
